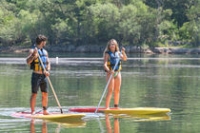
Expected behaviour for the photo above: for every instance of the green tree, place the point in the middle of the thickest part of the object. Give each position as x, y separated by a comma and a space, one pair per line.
131, 22
8, 23
190, 31
178, 7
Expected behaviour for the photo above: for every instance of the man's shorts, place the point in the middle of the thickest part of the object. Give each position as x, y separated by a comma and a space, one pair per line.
38, 80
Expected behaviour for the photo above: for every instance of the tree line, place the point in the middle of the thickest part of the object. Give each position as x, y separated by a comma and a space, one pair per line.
132, 22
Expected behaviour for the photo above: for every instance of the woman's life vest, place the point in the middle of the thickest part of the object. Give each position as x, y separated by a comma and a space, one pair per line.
114, 58
36, 65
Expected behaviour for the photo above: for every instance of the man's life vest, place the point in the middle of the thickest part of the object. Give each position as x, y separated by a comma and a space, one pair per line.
36, 65
114, 58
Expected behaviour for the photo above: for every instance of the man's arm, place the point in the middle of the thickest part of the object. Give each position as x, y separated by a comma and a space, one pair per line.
31, 57
48, 67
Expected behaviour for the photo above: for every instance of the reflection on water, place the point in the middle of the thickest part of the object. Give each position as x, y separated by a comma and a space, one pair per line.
32, 127
169, 82
44, 126
116, 128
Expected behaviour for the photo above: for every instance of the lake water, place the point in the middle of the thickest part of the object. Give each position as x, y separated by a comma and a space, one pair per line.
169, 81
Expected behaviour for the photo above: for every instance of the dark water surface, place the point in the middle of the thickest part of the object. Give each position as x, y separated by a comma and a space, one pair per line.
148, 81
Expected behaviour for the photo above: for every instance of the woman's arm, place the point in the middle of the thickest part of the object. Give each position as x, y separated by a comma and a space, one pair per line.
106, 57
123, 54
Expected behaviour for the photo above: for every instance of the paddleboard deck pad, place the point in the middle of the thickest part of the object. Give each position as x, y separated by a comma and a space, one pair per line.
129, 111
52, 116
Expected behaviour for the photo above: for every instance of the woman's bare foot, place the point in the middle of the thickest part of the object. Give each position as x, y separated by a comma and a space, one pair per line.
33, 113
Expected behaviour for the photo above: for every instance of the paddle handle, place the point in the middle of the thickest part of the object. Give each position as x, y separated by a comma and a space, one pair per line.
105, 89
54, 93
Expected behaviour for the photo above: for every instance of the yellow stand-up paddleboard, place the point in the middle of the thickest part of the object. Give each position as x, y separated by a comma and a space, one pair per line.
129, 111
51, 117
58, 117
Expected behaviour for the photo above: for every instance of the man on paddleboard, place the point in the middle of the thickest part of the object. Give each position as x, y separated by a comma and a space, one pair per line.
112, 66
39, 74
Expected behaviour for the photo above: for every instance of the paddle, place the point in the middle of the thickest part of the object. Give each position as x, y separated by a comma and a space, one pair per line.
50, 84
111, 76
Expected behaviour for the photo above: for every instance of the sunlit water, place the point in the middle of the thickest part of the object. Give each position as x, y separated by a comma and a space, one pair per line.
148, 81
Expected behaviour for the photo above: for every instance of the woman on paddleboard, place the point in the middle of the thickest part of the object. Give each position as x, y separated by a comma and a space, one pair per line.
112, 66
39, 74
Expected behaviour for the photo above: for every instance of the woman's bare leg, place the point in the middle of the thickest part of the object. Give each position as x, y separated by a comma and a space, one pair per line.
109, 91
117, 86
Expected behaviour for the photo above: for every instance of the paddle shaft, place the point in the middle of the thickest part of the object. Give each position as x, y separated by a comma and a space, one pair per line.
111, 76
54, 93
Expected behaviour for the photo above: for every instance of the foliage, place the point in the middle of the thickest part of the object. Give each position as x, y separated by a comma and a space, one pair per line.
132, 22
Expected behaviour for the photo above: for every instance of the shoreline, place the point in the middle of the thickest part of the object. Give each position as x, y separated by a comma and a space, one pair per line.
100, 49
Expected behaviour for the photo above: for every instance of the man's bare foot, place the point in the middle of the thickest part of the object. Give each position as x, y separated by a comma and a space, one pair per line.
45, 112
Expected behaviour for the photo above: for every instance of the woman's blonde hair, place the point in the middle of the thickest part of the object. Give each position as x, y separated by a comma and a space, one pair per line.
110, 42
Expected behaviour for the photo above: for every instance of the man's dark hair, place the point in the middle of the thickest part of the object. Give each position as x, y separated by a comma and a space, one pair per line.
40, 38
